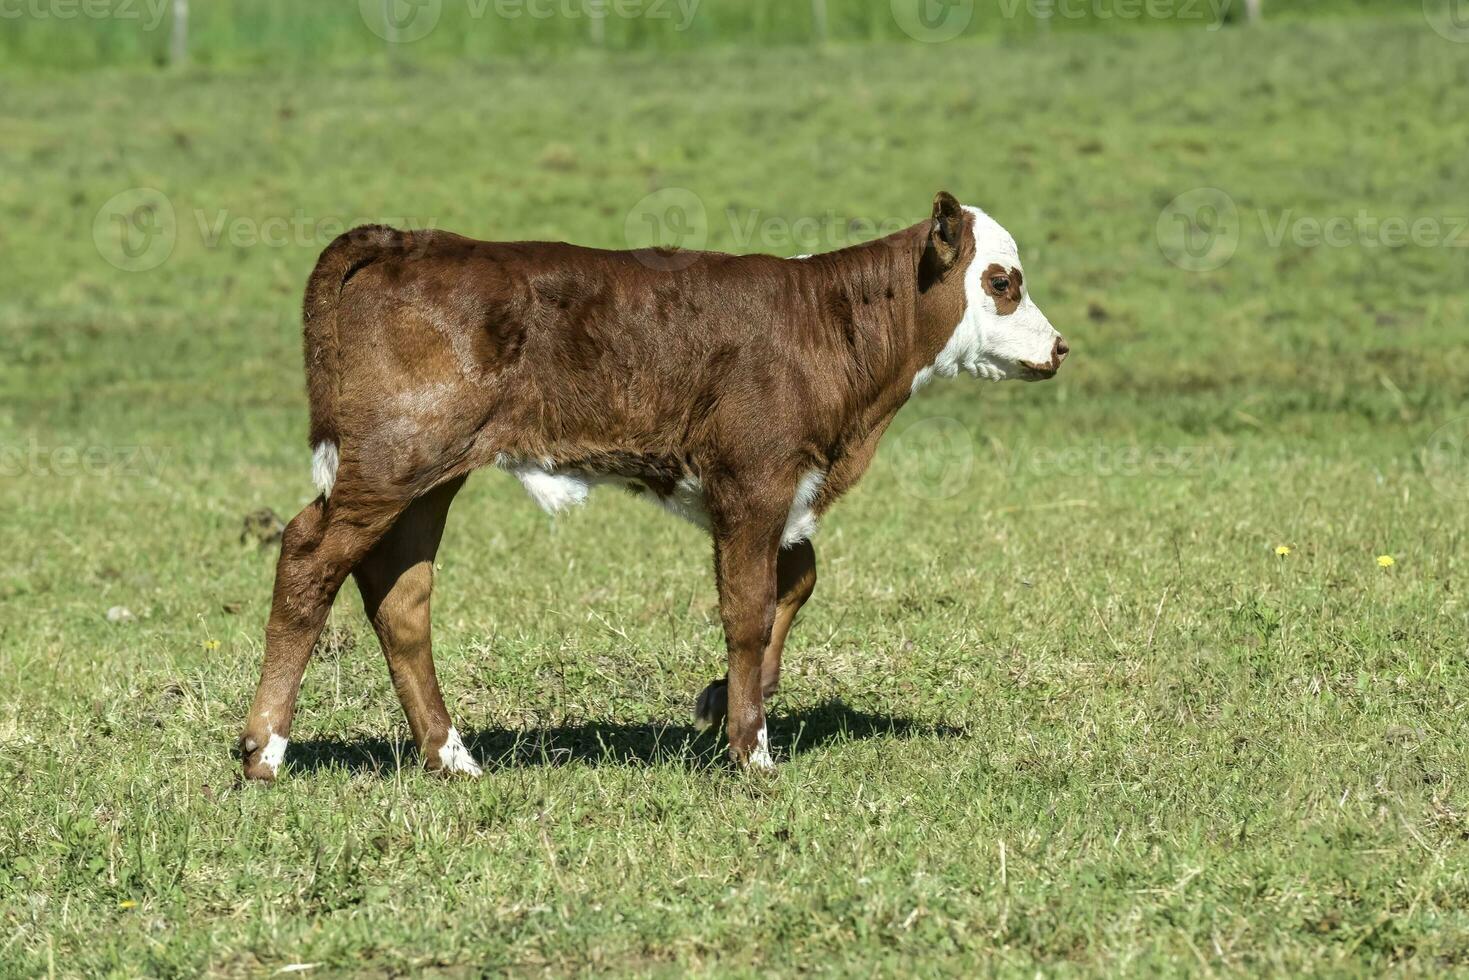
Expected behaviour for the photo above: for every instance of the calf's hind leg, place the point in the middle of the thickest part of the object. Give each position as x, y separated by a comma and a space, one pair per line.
321, 545
795, 576
396, 580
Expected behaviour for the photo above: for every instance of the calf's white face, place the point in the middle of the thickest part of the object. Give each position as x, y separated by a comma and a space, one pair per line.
1002, 334
1015, 340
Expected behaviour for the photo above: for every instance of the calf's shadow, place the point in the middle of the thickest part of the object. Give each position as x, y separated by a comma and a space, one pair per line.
601, 743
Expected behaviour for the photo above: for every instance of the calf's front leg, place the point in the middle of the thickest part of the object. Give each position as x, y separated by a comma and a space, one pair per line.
795, 575
745, 560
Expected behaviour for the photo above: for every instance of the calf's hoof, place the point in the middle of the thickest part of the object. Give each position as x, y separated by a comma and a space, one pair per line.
261, 757
452, 758
756, 757
711, 705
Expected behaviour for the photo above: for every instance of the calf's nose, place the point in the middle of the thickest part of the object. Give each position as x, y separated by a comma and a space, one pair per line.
1059, 350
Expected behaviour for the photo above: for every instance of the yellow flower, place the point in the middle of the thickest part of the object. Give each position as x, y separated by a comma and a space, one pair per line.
211, 645
1386, 561
129, 904
1282, 550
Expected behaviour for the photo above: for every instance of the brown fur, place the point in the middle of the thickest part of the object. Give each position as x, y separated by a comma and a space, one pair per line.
443, 352
1007, 300
429, 355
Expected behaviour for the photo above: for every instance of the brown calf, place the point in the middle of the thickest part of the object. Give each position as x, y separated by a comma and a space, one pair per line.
745, 393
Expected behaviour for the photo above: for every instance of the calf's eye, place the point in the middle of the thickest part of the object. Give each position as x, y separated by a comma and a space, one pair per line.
1000, 284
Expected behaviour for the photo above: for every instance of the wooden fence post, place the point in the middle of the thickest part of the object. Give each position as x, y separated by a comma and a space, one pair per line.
390, 23
597, 14
178, 38
818, 20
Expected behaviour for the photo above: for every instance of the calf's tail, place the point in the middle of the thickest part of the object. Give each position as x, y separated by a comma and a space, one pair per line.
339, 262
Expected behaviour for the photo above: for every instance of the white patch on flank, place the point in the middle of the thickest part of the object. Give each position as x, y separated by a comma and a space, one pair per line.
324, 467
760, 757
984, 343
274, 753
801, 521
454, 757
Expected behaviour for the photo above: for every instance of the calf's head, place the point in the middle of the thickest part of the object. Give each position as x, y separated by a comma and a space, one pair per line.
1001, 334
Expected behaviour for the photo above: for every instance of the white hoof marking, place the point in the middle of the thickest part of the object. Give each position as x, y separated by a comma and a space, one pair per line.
760, 757
454, 757
274, 753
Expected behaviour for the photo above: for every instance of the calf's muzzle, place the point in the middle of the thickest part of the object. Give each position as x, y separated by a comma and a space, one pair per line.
1059, 350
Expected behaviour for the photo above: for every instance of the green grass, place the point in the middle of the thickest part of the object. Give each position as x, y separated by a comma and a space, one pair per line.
89, 33
1064, 710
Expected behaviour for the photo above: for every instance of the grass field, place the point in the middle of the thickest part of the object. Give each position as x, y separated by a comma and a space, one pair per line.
1058, 705
67, 34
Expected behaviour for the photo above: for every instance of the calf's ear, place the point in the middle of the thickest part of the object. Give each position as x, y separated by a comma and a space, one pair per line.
948, 226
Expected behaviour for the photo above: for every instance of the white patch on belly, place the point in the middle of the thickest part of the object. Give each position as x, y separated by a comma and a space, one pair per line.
274, 753
760, 756
801, 521
454, 757
686, 501
553, 491
557, 490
